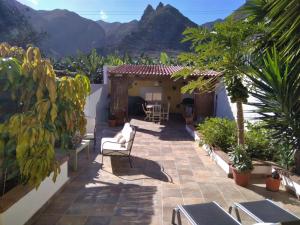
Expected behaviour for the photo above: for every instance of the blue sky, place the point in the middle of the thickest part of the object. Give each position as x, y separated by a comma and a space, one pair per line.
199, 11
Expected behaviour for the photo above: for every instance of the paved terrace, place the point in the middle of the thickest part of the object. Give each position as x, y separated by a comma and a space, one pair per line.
169, 169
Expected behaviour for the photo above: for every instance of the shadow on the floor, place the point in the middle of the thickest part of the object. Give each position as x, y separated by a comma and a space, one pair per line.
281, 195
172, 130
100, 202
141, 166
121, 203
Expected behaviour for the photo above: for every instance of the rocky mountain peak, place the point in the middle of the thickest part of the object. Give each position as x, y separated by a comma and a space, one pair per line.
160, 5
149, 11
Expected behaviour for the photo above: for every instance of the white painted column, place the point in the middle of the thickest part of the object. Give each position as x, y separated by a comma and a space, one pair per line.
105, 74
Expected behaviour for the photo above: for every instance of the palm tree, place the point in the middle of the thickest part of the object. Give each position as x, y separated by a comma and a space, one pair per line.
276, 86
282, 19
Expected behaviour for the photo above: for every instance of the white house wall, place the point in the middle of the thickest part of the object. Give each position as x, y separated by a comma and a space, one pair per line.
224, 108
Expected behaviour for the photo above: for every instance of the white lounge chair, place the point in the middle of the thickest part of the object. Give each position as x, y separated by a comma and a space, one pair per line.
120, 145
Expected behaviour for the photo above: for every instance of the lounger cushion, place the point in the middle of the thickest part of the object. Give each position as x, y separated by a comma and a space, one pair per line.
122, 141
113, 146
118, 136
126, 132
119, 142
105, 142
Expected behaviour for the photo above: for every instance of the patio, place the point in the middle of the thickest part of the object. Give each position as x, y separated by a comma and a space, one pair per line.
169, 169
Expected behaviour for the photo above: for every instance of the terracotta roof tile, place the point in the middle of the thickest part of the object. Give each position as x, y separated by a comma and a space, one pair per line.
156, 70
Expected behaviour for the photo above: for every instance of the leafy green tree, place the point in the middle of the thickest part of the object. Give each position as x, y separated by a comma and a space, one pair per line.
276, 85
225, 48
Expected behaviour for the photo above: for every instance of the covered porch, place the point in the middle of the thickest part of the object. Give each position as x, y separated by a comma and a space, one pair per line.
134, 85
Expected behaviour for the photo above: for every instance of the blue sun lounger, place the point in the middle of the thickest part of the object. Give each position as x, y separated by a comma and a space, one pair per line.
204, 214
265, 211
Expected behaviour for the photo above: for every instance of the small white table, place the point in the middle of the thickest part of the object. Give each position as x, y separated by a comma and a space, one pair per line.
85, 144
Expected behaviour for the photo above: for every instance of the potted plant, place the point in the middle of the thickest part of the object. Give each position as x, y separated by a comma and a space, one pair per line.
76, 140
273, 181
188, 114
120, 117
241, 165
112, 120
189, 119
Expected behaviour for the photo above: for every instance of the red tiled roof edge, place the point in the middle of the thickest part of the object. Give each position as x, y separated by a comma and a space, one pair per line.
157, 70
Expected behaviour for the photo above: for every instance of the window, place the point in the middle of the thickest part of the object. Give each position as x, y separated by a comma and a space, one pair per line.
151, 94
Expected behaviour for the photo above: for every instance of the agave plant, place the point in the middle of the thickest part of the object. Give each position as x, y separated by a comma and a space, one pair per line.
276, 86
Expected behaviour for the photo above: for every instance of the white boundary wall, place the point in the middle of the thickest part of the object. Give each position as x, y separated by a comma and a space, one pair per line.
20, 212
97, 103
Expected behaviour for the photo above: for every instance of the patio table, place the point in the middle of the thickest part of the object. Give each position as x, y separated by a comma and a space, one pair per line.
150, 106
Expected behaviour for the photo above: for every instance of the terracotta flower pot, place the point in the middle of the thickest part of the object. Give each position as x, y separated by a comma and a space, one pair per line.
241, 179
112, 123
189, 120
272, 184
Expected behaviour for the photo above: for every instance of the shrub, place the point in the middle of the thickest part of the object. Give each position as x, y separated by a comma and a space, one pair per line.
219, 132
49, 110
259, 141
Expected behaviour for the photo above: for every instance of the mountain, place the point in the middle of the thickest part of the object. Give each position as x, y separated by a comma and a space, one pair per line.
65, 31
14, 28
116, 32
158, 30
211, 24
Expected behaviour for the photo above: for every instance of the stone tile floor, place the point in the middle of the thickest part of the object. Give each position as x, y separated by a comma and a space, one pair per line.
169, 169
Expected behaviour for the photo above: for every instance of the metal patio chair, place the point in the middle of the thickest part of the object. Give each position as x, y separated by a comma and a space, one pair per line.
147, 112
166, 112
156, 113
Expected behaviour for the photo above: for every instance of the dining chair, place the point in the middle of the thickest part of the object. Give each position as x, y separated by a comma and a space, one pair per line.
147, 112
156, 113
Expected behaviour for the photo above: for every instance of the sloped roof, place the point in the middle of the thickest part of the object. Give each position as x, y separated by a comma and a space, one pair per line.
157, 70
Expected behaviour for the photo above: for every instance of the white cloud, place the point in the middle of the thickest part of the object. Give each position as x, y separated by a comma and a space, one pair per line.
103, 15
